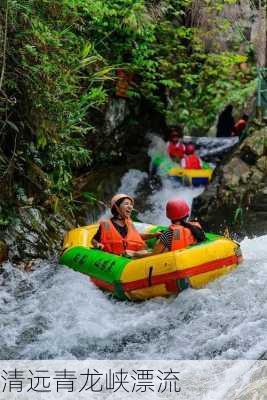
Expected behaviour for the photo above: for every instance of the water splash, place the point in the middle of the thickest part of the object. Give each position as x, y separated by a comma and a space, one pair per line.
58, 313
55, 312
158, 199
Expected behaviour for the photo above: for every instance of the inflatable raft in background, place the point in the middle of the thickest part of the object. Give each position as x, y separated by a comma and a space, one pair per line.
164, 166
158, 275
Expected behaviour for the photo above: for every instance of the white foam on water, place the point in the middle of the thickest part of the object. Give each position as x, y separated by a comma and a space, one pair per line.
212, 146
55, 312
157, 145
129, 185
131, 180
157, 200
205, 145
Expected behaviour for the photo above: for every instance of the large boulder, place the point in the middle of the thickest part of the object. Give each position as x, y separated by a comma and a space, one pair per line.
235, 172
237, 195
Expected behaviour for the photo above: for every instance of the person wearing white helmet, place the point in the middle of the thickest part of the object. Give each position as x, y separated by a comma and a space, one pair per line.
118, 234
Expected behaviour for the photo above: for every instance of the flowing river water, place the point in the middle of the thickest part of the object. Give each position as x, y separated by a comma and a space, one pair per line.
56, 313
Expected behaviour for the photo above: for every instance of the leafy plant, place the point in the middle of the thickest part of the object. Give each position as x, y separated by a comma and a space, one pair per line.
59, 68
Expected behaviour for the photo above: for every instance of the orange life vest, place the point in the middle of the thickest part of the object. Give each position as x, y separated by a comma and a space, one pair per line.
182, 237
114, 243
192, 162
176, 149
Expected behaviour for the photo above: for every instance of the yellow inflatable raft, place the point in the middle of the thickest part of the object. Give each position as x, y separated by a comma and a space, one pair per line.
159, 275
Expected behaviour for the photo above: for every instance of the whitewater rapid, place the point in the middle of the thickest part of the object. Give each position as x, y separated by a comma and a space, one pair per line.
56, 313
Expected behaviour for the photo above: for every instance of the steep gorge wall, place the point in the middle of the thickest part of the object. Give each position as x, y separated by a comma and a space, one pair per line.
237, 195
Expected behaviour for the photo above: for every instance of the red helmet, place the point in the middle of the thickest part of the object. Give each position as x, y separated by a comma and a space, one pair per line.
190, 149
177, 209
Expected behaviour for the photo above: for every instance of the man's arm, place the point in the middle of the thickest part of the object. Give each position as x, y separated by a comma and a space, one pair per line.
159, 248
147, 236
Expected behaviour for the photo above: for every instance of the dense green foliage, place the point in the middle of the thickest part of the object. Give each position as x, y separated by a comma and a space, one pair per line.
59, 71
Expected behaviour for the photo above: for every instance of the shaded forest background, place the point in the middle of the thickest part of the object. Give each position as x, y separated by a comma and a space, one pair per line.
60, 63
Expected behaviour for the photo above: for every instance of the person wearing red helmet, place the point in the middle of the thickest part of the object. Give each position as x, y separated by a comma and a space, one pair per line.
190, 159
118, 234
175, 146
180, 233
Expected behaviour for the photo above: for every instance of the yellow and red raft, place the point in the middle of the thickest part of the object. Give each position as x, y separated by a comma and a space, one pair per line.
156, 275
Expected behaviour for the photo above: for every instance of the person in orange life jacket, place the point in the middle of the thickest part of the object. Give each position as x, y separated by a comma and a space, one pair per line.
118, 234
240, 125
175, 146
180, 233
191, 160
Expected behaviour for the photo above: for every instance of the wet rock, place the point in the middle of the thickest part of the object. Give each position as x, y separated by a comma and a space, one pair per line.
262, 164
37, 176
256, 143
3, 251
248, 155
234, 172
35, 234
251, 384
256, 176
259, 201
27, 266
237, 195
115, 114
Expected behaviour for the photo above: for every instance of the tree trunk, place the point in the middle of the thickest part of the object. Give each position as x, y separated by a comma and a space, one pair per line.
259, 33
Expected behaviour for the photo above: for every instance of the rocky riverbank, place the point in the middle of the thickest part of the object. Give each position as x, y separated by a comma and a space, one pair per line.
237, 195
37, 230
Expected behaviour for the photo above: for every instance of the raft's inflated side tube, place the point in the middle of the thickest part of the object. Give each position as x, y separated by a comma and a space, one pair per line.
159, 275
195, 177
